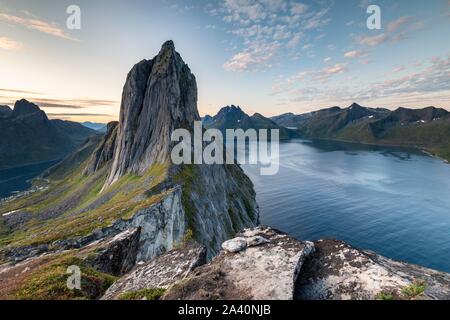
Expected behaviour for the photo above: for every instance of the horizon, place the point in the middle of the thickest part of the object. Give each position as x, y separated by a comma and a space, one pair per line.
56, 117
271, 57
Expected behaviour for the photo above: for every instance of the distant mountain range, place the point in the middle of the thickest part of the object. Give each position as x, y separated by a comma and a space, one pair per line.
427, 128
28, 136
100, 127
232, 117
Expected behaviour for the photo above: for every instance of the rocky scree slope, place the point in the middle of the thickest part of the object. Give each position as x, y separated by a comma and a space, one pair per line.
122, 194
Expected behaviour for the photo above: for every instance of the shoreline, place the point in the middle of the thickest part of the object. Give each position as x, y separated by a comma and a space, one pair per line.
416, 148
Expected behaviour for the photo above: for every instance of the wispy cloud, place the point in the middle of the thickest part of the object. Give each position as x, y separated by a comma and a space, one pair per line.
396, 31
78, 115
9, 44
9, 96
397, 24
427, 84
6, 90
356, 54
40, 25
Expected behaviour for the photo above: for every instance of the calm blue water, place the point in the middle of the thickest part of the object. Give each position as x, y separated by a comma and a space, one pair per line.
17, 179
392, 201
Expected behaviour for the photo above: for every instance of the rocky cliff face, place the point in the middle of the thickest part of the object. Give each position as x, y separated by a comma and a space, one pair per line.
160, 95
214, 202
126, 182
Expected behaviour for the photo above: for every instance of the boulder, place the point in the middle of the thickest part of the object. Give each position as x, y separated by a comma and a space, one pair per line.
267, 271
161, 272
117, 255
337, 271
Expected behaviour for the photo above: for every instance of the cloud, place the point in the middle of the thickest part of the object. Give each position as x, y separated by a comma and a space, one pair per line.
298, 8
263, 27
428, 84
73, 103
294, 41
396, 31
17, 91
310, 76
38, 25
255, 57
372, 41
398, 69
9, 44
397, 24
355, 54
12, 95
239, 62
78, 115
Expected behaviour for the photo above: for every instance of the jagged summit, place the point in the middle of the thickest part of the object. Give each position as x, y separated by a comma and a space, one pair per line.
5, 111
24, 107
160, 95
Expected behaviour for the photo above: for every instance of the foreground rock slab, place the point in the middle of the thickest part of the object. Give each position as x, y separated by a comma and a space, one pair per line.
161, 272
337, 271
261, 270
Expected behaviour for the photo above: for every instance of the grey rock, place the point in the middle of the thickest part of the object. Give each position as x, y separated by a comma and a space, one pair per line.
117, 255
160, 95
104, 153
161, 272
235, 245
256, 241
264, 272
337, 271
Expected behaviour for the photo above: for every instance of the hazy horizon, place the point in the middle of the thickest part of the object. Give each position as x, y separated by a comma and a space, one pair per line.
269, 56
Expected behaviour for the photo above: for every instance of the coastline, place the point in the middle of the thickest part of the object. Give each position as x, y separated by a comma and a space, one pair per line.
416, 148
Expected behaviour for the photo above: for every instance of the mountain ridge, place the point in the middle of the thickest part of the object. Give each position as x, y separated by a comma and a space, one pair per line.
118, 200
233, 117
29, 137
427, 129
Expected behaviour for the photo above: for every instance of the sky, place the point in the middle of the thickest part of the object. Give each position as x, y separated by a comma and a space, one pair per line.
267, 56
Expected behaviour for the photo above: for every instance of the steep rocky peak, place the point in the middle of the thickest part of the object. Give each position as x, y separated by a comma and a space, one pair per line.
5, 111
230, 109
24, 108
354, 105
159, 96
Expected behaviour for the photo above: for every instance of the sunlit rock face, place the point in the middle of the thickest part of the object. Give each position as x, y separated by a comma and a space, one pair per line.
160, 95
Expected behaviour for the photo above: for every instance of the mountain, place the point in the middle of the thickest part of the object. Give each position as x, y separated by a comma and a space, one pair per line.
101, 127
28, 136
289, 120
232, 117
5, 111
427, 128
118, 199
136, 226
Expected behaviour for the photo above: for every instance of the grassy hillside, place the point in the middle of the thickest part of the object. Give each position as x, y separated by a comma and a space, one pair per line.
427, 129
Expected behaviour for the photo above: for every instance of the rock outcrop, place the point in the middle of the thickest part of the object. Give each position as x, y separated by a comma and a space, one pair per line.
105, 151
263, 265
160, 95
337, 271
161, 272
117, 255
